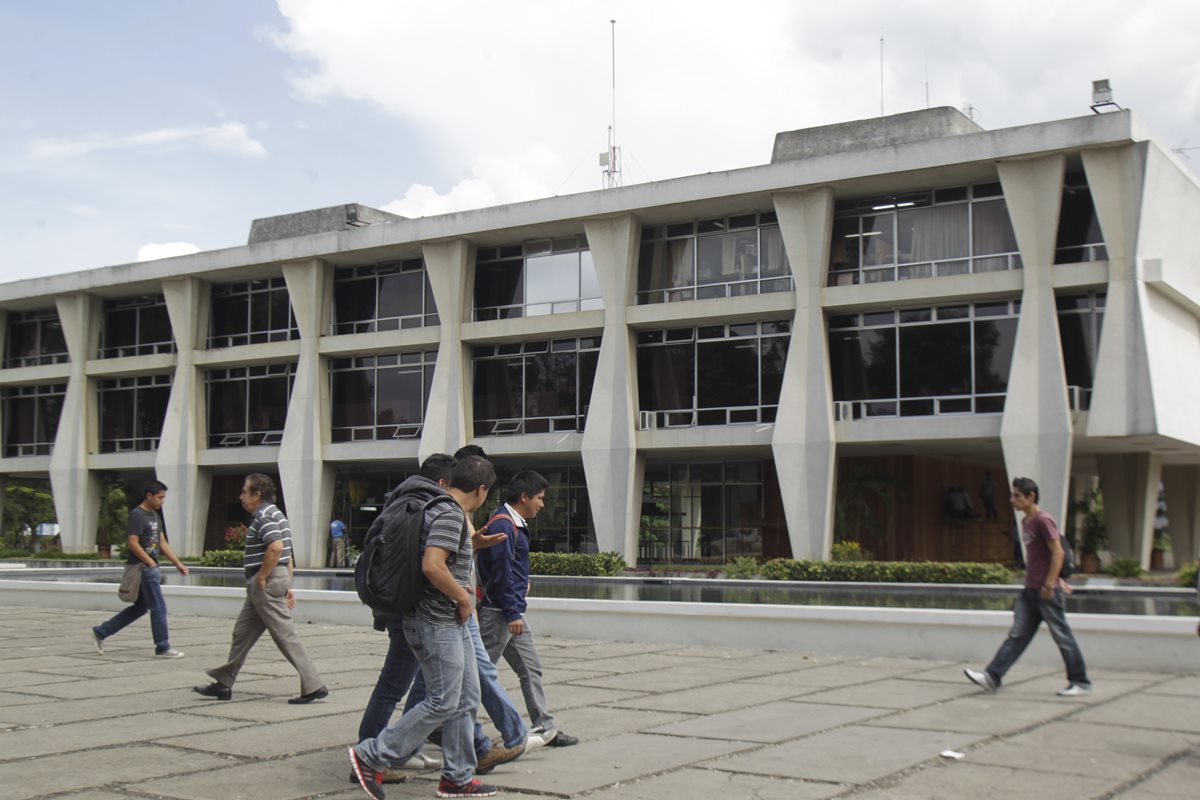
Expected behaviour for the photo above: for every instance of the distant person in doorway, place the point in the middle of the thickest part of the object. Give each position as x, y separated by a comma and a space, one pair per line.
1041, 599
987, 493
337, 544
147, 539
269, 600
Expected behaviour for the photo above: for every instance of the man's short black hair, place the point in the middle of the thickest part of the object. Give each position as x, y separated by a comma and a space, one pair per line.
438, 467
153, 487
525, 482
1027, 487
472, 472
469, 450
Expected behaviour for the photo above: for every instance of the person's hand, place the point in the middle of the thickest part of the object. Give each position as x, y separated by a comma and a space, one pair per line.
516, 627
291, 599
481, 540
465, 608
1047, 592
183, 570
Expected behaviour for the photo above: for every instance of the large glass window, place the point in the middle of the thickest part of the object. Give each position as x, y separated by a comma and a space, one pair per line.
248, 405
31, 416
1079, 236
251, 312
132, 411
922, 235
922, 361
34, 337
565, 524
380, 397
135, 326
534, 387
711, 512
383, 297
711, 375
723, 257
550, 277
1080, 320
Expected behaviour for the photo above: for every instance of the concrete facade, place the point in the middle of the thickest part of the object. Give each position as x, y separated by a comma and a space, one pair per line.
1139, 428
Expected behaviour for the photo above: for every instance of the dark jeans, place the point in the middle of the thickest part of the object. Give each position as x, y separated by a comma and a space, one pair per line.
1028, 613
150, 600
399, 667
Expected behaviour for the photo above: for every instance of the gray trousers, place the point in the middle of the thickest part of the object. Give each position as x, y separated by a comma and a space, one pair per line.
522, 655
266, 610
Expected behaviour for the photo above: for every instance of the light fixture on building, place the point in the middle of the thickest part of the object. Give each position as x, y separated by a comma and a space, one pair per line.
1102, 96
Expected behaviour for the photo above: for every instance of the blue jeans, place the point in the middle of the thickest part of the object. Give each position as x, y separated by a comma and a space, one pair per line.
1028, 612
395, 678
452, 695
496, 702
150, 599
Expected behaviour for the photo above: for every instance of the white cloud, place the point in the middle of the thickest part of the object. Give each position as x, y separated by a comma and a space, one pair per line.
83, 210
154, 251
230, 138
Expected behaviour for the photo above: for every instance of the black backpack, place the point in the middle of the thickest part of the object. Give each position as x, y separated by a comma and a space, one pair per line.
1068, 565
388, 576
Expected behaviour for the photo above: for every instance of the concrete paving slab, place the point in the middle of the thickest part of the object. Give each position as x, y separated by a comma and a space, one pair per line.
980, 782
563, 696
978, 713
774, 722
1186, 686
665, 680
827, 675
73, 736
109, 687
51, 663
19, 698
953, 673
1145, 710
690, 783
279, 739
853, 754
1102, 690
1114, 767
21, 679
1102, 740
891, 693
716, 698
256, 709
63, 773
285, 779
600, 651
641, 662
57, 712
1178, 781
590, 723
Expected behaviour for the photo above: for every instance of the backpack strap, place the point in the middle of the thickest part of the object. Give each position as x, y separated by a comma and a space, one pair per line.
501, 515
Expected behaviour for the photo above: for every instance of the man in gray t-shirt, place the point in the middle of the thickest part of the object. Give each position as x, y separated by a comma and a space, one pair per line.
442, 642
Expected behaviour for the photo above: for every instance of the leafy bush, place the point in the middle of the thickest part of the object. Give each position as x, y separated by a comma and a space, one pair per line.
783, 569
743, 567
1187, 575
221, 558
849, 551
577, 564
235, 536
1125, 568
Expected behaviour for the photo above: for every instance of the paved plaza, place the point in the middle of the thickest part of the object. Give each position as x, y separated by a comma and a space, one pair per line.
654, 721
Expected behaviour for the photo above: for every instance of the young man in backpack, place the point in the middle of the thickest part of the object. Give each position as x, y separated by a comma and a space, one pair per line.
438, 635
504, 575
1041, 599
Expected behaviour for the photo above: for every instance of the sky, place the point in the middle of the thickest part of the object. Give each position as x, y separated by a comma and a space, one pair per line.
141, 129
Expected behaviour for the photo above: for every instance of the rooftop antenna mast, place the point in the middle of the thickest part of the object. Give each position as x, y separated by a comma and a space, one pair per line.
610, 159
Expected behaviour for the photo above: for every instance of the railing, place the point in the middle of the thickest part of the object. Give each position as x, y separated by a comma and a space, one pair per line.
380, 324
137, 350
14, 362
1080, 253
1079, 398
707, 291
127, 444
939, 406
1000, 262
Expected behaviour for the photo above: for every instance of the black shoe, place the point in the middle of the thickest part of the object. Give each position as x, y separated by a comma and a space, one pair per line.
319, 694
562, 740
217, 690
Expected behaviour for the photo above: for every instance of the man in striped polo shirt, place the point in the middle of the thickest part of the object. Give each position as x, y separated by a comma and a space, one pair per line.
269, 599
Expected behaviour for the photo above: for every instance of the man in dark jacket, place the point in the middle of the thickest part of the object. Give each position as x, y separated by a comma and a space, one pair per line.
504, 575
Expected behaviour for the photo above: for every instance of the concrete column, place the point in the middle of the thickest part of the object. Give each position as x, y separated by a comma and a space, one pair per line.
307, 480
447, 418
1123, 394
189, 486
1130, 487
803, 442
1036, 429
76, 490
611, 463
1182, 485
4, 494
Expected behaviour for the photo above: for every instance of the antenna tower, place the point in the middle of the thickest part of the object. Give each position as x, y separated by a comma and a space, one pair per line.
610, 159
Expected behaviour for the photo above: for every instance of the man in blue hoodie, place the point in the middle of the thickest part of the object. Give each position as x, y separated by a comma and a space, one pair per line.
504, 576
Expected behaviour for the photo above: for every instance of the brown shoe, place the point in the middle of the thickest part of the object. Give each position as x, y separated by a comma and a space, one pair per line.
499, 754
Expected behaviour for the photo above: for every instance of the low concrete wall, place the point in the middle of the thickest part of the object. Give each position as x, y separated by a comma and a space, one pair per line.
1108, 641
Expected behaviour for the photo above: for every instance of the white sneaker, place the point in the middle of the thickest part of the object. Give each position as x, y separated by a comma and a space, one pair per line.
982, 679
422, 762
539, 737
172, 653
96, 640
1075, 690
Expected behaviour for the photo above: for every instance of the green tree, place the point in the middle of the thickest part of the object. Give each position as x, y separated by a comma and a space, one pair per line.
26, 502
114, 515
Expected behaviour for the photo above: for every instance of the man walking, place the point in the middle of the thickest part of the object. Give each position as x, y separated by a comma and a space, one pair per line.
147, 539
1041, 599
504, 575
440, 639
269, 600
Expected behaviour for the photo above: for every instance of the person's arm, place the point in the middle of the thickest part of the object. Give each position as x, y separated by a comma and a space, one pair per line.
270, 559
1056, 561
481, 540
135, 547
170, 554
433, 564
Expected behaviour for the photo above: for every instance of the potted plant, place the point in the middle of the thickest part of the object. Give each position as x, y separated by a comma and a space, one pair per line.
1095, 533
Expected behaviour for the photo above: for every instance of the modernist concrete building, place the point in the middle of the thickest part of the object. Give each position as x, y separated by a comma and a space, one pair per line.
869, 335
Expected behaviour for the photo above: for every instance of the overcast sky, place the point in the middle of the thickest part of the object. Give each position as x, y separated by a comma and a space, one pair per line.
136, 129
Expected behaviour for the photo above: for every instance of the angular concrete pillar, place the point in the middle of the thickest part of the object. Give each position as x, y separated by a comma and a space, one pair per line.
611, 463
1182, 485
76, 489
1129, 484
1123, 393
803, 442
1036, 429
189, 486
447, 419
307, 480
